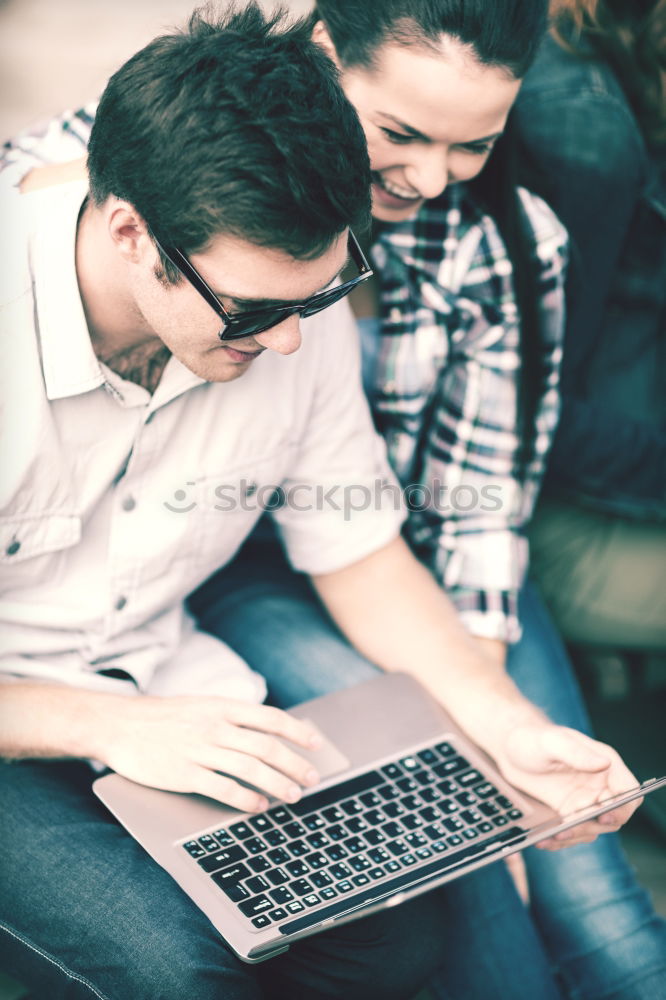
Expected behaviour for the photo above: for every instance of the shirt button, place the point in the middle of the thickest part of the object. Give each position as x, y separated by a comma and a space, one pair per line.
120, 603
13, 548
129, 503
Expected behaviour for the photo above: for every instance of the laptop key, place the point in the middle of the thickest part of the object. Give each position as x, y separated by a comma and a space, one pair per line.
416, 840
231, 875
256, 884
262, 921
428, 756
274, 837
374, 817
410, 763
445, 749
193, 849
500, 821
374, 837
397, 847
407, 785
471, 816
356, 824
424, 777
333, 815
466, 799
253, 907
453, 825
258, 863
209, 843
277, 876
355, 845
393, 809
352, 807
412, 822
336, 832
314, 822
311, 899
320, 879
434, 831
301, 886
471, 833
378, 855
488, 809
469, 778
344, 886
296, 868
298, 848
448, 807
376, 873
439, 846
295, 906
429, 815
361, 880
316, 860
503, 802
407, 860
340, 871
392, 829
294, 829
254, 845
359, 863
454, 840
392, 866
280, 814
328, 893
484, 827
278, 856
514, 814
337, 852
392, 771
370, 799
261, 823
318, 840
430, 794
424, 852
213, 862
485, 790
388, 792
241, 830
448, 787
278, 914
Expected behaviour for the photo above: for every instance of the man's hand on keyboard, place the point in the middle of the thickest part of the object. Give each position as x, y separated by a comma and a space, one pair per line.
568, 771
203, 745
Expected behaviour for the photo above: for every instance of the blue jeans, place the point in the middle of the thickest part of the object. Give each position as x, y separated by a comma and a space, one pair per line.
85, 912
594, 922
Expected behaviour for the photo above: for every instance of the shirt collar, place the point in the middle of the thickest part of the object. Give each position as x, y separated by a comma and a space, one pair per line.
68, 360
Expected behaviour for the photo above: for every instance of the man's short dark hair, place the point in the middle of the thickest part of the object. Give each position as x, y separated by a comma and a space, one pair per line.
234, 125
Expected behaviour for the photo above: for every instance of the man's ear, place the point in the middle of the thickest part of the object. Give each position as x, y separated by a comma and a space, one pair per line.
321, 36
128, 231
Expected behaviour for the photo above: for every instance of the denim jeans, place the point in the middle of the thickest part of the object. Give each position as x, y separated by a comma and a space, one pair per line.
85, 913
594, 922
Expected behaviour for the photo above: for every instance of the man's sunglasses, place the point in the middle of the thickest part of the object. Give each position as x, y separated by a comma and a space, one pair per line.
244, 324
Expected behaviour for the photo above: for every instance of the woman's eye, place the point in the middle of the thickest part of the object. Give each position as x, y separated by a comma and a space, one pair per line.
397, 137
479, 149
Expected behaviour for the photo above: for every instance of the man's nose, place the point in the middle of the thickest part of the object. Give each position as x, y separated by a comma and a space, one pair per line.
429, 173
285, 337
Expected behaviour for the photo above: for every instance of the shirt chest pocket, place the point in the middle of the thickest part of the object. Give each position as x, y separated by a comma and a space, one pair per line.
220, 511
33, 546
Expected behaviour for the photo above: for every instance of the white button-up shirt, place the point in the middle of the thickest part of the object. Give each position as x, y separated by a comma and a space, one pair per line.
115, 504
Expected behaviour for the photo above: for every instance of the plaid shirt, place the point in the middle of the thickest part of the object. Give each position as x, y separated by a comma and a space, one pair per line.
445, 391
445, 385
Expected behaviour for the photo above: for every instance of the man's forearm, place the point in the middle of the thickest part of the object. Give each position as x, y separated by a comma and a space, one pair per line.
395, 613
53, 720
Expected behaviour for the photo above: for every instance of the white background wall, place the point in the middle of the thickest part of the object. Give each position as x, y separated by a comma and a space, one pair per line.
56, 54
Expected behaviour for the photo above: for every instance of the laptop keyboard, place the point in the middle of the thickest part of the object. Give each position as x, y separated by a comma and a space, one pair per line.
296, 858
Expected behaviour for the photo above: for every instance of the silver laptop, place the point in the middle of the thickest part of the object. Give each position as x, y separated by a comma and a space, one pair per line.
406, 803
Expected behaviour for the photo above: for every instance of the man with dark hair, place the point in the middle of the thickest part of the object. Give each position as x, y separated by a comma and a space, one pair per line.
225, 168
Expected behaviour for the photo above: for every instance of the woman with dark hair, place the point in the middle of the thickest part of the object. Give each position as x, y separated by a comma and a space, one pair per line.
461, 335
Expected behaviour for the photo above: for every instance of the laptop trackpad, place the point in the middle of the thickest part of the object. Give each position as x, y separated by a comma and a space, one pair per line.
327, 759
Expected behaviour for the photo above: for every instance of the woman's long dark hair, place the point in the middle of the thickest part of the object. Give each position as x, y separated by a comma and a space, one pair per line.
502, 33
630, 35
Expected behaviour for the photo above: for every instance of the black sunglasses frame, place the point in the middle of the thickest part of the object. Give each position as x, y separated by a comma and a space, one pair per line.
245, 324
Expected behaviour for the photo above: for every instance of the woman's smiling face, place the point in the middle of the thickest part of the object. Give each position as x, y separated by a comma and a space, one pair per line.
431, 117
